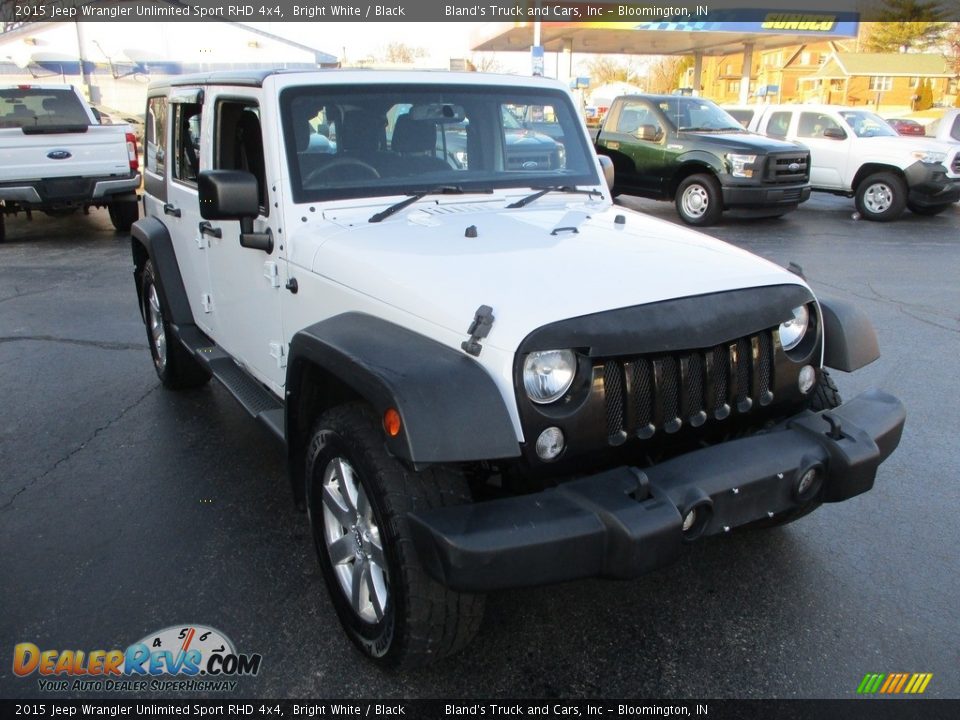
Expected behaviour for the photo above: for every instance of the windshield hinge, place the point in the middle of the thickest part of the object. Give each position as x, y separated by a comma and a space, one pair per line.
279, 353
479, 329
271, 273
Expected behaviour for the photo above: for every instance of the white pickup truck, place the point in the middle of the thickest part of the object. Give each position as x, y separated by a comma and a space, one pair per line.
57, 157
855, 153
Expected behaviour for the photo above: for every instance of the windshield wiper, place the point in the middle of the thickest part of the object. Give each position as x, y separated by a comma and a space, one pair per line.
553, 188
711, 129
419, 195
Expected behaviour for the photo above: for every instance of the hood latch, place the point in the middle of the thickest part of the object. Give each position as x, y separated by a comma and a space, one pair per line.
479, 329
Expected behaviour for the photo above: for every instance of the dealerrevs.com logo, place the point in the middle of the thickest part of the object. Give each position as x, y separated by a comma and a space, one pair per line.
181, 657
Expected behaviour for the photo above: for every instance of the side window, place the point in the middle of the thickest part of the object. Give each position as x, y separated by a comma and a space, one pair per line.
239, 142
813, 125
155, 135
778, 124
186, 142
633, 116
639, 120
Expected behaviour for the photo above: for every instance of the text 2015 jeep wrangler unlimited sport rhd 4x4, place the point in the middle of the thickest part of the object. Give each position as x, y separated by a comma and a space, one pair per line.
486, 375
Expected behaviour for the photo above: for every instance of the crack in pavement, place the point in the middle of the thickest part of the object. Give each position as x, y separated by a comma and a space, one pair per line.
24, 294
102, 344
81, 446
907, 308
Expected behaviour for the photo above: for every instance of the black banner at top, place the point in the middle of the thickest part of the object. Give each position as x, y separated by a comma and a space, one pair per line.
692, 15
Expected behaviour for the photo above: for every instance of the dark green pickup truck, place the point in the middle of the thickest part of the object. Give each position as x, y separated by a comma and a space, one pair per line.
689, 150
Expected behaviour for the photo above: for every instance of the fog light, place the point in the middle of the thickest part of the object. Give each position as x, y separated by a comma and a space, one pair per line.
689, 519
807, 379
550, 443
807, 481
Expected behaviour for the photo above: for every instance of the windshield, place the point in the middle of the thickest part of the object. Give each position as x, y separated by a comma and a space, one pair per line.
866, 124
402, 139
40, 107
697, 114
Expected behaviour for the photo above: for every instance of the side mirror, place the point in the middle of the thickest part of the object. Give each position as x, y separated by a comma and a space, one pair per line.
233, 195
606, 164
835, 133
648, 132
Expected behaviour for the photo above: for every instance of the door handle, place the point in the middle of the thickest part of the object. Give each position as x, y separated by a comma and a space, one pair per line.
169, 209
207, 229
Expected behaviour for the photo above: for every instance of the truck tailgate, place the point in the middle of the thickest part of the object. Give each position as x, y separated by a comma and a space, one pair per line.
100, 151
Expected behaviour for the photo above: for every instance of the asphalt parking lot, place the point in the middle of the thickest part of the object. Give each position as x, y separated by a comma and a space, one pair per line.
125, 509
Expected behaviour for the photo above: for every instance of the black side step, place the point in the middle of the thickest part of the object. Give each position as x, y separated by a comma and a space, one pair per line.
255, 398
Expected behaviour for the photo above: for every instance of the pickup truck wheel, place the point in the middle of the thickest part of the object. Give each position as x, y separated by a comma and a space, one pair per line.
929, 210
881, 197
175, 366
358, 498
699, 200
3, 227
124, 214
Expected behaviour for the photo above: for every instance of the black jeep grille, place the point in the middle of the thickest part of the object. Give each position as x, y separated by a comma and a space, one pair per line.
653, 393
788, 168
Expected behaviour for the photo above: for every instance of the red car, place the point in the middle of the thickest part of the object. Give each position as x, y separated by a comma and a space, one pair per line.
904, 126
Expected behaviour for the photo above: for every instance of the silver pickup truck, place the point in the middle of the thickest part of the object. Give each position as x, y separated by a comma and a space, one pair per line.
57, 158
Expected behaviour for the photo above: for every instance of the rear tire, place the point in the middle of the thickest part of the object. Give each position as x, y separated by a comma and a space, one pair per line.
881, 197
358, 500
175, 366
124, 214
699, 200
928, 211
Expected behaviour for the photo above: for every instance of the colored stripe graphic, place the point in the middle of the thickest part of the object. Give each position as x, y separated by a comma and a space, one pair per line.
894, 683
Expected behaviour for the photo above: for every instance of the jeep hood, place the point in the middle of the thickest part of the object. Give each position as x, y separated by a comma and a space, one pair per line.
533, 265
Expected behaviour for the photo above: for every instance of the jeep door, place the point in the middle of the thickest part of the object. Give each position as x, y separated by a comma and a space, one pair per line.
246, 282
634, 139
179, 204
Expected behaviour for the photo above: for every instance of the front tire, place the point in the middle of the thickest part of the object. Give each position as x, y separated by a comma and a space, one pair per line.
699, 200
175, 366
358, 499
881, 197
124, 214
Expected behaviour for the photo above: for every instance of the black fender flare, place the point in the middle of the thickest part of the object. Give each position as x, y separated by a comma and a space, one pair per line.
450, 408
154, 239
850, 341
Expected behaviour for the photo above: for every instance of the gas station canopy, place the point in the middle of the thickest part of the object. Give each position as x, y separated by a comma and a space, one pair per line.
666, 38
763, 30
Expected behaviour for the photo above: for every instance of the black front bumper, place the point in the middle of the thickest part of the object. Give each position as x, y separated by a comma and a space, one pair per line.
929, 185
625, 522
764, 196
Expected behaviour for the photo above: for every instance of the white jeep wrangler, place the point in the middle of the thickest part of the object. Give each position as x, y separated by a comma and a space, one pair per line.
486, 375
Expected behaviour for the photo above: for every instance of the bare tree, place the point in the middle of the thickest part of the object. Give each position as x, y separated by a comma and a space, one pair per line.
604, 69
664, 75
401, 53
486, 62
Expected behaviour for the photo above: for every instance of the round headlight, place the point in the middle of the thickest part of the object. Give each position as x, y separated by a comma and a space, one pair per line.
793, 330
548, 374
